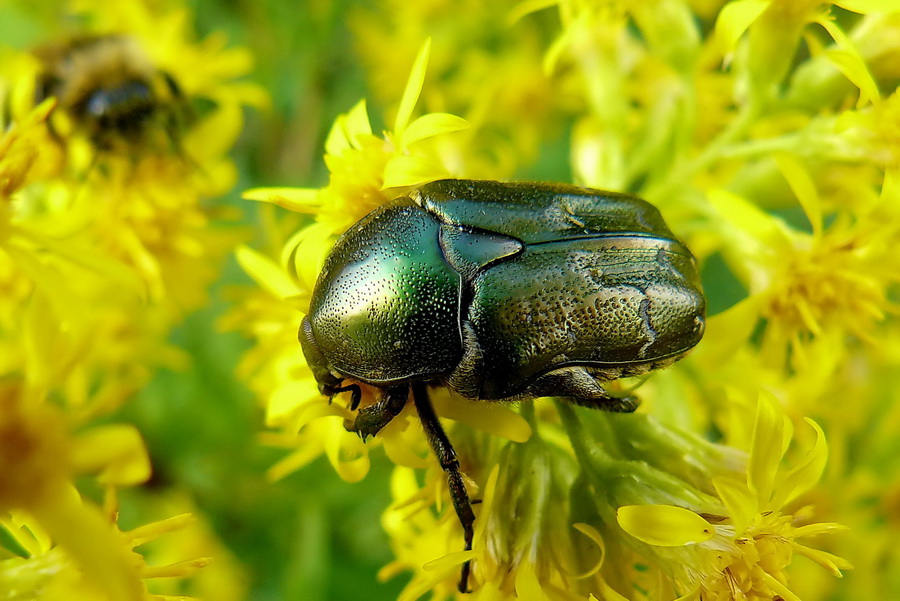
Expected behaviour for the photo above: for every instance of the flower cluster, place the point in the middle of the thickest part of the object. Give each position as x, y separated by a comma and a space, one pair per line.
765, 131
105, 246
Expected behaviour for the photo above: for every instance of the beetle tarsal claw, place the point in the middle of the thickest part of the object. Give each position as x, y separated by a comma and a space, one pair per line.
370, 420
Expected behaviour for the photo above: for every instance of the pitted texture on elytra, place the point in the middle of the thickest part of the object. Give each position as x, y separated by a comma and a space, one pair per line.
597, 304
386, 305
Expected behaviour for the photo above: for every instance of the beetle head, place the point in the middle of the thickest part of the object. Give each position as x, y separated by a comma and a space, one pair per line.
328, 382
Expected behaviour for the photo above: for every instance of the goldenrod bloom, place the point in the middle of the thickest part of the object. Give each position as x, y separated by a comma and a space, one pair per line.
765, 132
104, 247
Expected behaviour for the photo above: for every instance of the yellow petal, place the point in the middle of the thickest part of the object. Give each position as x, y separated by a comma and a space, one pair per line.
432, 124
266, 272
402, 171
804, 475
357, 123
301, 200
216, 133
347, 128
609, 593
817, 529
399, 451
448, 561
730, 330
525, 8
848, 60
401, 442
804, 189
741, 506
747, 218
693, 595
116, 451
300, 458
491, 418
288, 397
309, 247
487, 503
593, 534
868, 6
664, 525
778, 587
92, 542
152, 531
97, 262
348, 454
413, 89
313, 411
829, 561
736, 17
528, 587
766, 448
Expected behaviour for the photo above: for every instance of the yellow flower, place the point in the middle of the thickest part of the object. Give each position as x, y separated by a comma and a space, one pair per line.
486, 67
100, 254
774, 31
835, 279
751, 545
39, 460
51, 573
134, 187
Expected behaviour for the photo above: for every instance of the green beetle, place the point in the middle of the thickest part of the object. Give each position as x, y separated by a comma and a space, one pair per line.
499, 292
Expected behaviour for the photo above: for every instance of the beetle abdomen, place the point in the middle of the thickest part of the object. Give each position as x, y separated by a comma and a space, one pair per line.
386, 306
606, 301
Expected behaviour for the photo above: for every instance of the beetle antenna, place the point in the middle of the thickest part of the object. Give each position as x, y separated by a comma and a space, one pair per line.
446, 456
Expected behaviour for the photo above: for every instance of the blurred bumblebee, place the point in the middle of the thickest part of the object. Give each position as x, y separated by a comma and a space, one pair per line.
108, 90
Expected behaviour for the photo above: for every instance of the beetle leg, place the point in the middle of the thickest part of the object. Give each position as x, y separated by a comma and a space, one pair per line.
446, 456
370, 420
612, 404
580, 387
355, 394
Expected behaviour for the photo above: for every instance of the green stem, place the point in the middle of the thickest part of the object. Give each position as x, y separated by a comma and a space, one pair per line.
591, 458
526, 410
647, 483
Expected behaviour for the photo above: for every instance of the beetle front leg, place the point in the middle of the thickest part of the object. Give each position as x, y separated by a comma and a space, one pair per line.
355, 394
370, 420
446, 456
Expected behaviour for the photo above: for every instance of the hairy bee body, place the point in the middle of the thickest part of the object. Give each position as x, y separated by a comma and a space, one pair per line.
109, 91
